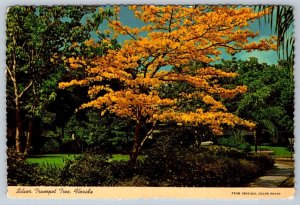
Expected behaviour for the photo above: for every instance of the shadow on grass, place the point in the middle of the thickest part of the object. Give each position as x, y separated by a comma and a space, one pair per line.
45, 156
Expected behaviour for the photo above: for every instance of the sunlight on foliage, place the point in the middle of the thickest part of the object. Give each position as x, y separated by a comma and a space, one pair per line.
177, 36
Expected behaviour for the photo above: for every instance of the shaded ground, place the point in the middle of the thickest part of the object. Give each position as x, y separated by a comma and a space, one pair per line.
281, 175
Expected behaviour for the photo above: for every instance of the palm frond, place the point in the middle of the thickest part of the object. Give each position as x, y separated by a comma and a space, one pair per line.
269, 126
281, 20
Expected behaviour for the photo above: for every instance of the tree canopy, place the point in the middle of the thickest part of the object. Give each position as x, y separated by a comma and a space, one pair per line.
176, 37
38, 39
269, 101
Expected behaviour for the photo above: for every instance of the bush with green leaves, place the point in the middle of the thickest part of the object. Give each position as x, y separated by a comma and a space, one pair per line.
234, 143
163, 165
109, 132
89, 169
209, 166
20, 173
236, 139
51, 146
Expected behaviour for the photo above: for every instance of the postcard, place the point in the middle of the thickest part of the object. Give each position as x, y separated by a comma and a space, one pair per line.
150, 101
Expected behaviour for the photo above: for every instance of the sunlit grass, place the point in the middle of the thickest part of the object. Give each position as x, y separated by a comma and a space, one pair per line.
278, 151
58, 160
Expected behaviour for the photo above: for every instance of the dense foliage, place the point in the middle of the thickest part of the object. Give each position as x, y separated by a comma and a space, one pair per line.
20, 173
175, 38
207, 166
109, 133
162, 94
38, 40
269, 101
88, 170
235, 140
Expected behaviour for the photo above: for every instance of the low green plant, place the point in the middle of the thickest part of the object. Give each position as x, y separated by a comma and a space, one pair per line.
164, 165
89, 169
18, 171
237, 141
207, 166
50, 146
21, 173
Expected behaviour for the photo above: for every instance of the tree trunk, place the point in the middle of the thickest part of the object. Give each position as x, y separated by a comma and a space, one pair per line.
18, 126
29, 136
12, 72
255, 140
136, 144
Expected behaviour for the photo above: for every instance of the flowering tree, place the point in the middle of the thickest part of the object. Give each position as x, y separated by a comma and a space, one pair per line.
176, 36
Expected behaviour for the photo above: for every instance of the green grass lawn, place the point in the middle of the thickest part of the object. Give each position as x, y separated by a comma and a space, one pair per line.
278, 151
119, 157
58, 159
50, 159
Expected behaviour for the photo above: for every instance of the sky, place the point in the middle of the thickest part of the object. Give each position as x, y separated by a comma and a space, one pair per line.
270, 57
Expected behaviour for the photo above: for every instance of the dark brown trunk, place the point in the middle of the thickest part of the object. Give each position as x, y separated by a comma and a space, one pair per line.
136, 143
255, 141
29, 136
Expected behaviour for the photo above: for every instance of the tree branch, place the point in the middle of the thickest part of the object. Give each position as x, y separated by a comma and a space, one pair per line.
28, 86
148, 134
132, 36
170, 22
10, 74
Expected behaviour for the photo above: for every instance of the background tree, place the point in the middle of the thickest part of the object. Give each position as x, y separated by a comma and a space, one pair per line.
269, 101
109, 133
39, 38
176, 36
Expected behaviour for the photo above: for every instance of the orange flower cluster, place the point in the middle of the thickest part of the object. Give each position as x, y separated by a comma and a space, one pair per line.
176, 36
214, 120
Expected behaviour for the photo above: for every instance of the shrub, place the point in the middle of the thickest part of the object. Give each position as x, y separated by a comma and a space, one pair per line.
161, 162
136, 181
48, 176
50, 146
123, 170
234, 142
210, 166
71, 146
246, 147
215, 150
164, 165
20, 173
264, 162
88, 170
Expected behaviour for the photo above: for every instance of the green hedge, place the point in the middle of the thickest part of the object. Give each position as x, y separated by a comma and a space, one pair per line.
20, 173
233, 142
209, 166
